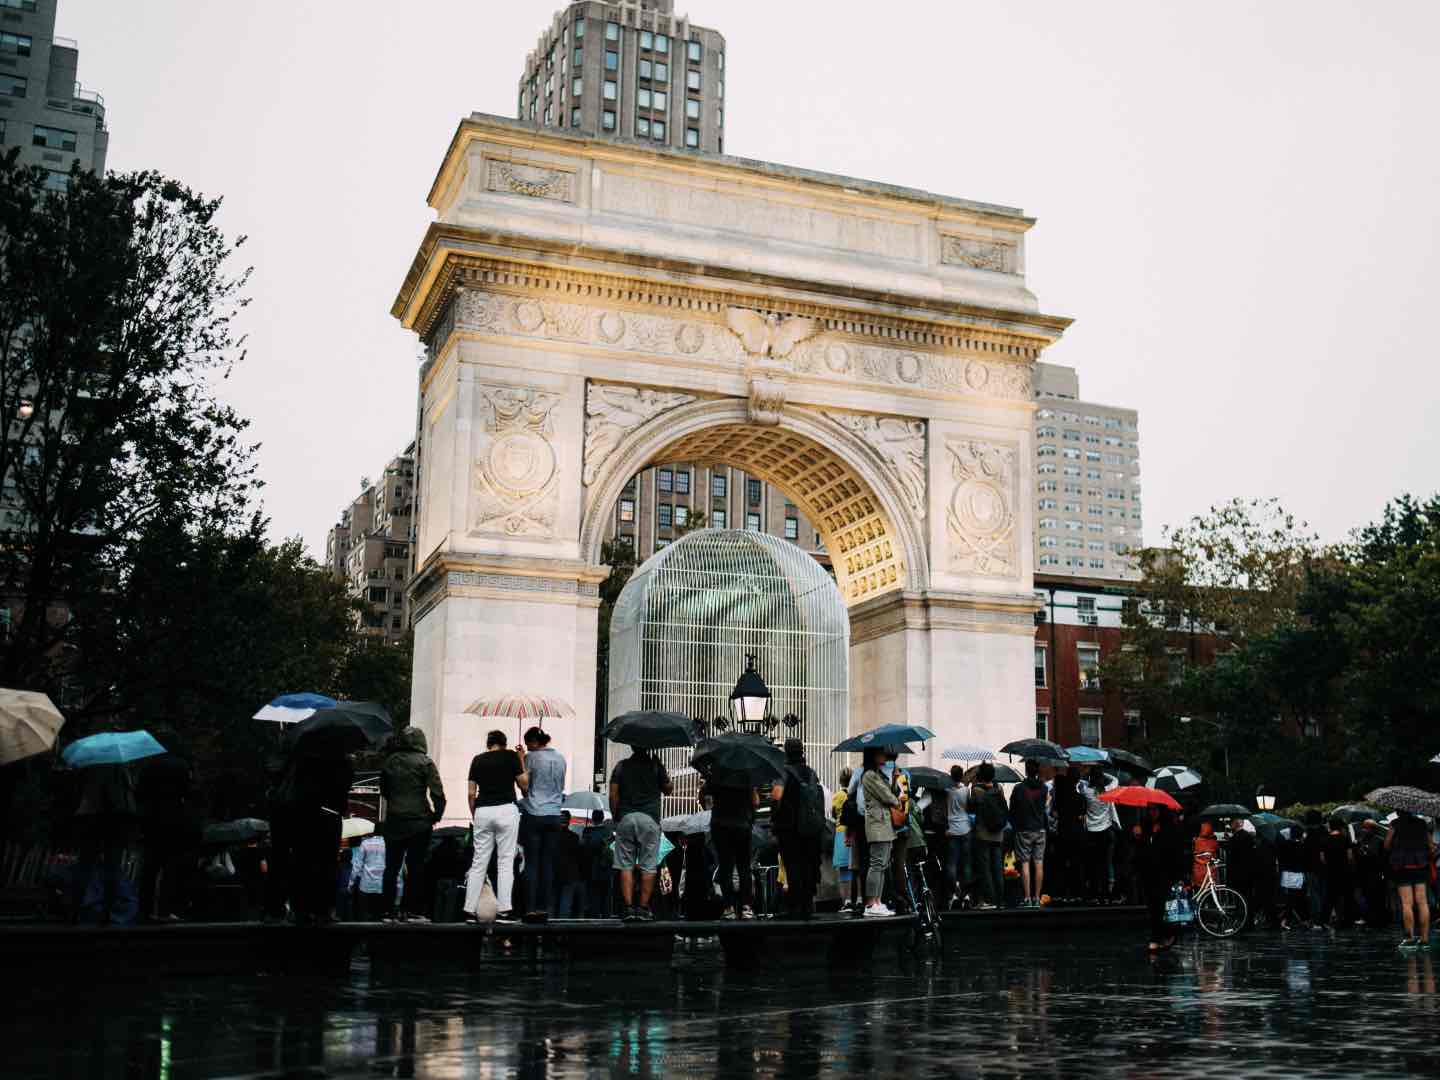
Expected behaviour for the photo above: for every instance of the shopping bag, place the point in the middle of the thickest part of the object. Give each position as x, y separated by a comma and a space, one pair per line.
486, 907
1292, 879
1178, 909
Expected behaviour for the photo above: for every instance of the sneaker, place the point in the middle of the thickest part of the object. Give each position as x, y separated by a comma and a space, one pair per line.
746, 913
879, 911
389, 918
419, 920
1425, 946
644, 914
506, 916
629, 914
1410, 943
728, 913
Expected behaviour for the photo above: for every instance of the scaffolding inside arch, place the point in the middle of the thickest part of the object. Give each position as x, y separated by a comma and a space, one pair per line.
691, 614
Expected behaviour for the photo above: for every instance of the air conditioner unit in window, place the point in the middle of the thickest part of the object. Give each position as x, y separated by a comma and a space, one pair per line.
1090, 620
1040, 616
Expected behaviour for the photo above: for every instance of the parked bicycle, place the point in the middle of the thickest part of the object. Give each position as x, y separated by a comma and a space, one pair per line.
1220, 910
923, 903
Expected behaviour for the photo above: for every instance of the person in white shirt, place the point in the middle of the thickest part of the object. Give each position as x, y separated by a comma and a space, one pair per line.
1102, 822
367, 878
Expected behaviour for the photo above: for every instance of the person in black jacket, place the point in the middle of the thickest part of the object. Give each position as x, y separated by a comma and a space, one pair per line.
305, 830
170, 829
1160, 860
414, 802
801, 851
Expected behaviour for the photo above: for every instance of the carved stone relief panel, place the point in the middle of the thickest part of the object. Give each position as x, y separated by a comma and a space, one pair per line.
532, 180
515, 480
978, 254
612, 412
981, 518
793, 345
901, 444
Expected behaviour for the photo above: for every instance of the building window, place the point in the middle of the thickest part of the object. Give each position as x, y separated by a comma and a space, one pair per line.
647, 39
665, 514
12, 85
662, 72
607, 120
752, 522
576, 86
682, 516
642, 126
662, 101
642, 99
662, 43
657, 130
53, 138
665, 480
1089, 657
717, 519
1042, 724
819, 542
612, 61
19, 5
378, 594
627, 509
719, 485
1040, 666
1175, 666
1085, 605
579, 29
645, 69
612, 31
682, 481
692, 80
792, 528
56, 181
575, 116
1134, 725
1049, 560
752, 490
19, 44
692, 138
692, 108
720, 61
1090, 727
693, 51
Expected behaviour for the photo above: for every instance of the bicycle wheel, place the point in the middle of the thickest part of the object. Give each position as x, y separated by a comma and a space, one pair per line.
1222, 912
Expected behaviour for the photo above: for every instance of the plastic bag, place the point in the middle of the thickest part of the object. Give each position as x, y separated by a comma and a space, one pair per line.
487, 908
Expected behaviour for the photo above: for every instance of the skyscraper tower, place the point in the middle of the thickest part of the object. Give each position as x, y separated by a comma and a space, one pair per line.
631, 68
43, 108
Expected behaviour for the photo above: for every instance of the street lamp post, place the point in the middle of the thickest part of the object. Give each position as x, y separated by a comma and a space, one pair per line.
1264, 799
750, 701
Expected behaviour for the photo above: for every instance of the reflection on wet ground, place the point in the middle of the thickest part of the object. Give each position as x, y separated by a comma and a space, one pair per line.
1309, 1005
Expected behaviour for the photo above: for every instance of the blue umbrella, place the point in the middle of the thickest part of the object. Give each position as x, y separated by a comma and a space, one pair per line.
1087, 755
292, 708
112, 748
884, 735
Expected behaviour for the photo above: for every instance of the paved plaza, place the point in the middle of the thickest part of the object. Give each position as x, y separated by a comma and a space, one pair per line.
1313, 1004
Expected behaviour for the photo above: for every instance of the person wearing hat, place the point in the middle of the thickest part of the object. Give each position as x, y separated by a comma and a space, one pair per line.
799, 823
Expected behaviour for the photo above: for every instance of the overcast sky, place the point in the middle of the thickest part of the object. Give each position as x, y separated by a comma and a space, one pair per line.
1237, 202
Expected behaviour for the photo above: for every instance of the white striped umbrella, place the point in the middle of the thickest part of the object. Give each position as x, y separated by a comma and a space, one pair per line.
29, 723
1173, 779
967, 752
523, 708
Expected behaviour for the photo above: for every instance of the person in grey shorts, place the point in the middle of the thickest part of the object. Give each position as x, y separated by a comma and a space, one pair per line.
1027, 815
636, 785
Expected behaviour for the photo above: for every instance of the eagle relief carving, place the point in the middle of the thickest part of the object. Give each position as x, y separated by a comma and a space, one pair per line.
514, 488
768, 336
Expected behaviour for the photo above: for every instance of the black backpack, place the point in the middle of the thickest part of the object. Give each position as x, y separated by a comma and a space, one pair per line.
992, 811
850, 817
802, 809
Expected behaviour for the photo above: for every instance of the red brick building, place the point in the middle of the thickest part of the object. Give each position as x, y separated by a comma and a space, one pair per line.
1079, 627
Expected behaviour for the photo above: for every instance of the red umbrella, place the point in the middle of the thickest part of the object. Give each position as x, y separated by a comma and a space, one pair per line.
1139, 796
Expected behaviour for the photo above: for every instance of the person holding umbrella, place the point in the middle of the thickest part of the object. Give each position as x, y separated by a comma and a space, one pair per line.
494, 777
105, 821
882, 803
636, 787
305, 826
733, 803
799, 825
1028, 816
1160, 859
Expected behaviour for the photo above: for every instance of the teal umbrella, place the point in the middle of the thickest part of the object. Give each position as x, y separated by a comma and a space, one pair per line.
1087, 755
112, 748
885, 735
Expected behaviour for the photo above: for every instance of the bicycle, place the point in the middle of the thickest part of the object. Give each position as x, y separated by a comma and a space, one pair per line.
923, 903
1220, 910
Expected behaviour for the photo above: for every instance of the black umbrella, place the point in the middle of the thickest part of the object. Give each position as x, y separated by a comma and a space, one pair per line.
1352, 814
1004, 774
352, 725
922, 776
751, 759
1134, 762
1035, 748
652, 729
1226, 810
240, 831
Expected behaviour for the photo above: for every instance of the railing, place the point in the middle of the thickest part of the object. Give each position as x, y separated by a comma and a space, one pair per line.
81, 94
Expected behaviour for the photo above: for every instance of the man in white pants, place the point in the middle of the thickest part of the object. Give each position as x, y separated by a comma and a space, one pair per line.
494, 777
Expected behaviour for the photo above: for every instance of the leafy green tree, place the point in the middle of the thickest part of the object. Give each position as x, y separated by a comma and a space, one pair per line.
117, 303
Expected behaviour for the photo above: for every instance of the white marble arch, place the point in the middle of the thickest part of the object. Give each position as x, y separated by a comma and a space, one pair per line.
650, 442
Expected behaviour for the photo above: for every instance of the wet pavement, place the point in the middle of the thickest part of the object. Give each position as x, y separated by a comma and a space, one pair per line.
1314, 1004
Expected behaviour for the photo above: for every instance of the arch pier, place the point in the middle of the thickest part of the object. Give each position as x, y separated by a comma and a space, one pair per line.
591, 307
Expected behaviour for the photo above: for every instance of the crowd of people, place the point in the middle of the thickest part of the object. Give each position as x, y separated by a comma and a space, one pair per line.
1051, 841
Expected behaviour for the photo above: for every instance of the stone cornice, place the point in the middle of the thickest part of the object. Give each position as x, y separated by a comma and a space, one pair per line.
505, 577
516, 134
983, 612
448, 258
